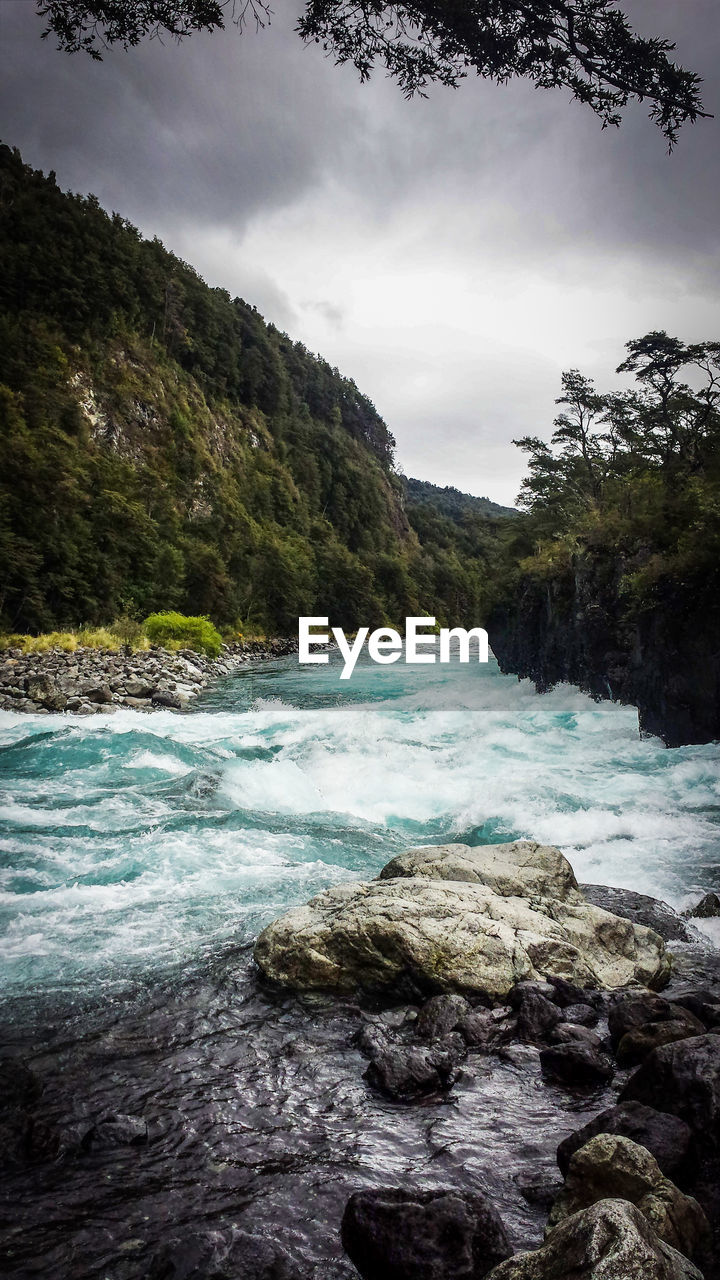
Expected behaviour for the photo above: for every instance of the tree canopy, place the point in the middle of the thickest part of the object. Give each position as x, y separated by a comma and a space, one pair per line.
586, 46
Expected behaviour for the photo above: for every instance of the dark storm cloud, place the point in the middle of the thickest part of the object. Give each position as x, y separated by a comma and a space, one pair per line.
453, 255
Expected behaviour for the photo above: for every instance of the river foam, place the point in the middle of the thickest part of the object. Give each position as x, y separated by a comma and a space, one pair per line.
133, 843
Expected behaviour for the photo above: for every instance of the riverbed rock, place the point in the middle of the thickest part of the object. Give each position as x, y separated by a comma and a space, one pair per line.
520, 869
407, 1072
610, 1241
636, 1045
439, 934
440, 1015
610, 1166
221, 1255
402, 1234
706, 909
630, 1011
684, 1079
641, 909
666, 1137
577, 1065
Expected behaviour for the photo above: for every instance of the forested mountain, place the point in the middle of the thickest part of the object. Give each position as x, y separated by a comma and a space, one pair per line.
161, 446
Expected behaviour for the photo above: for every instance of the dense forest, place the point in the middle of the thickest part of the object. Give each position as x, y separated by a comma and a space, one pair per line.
162, 447
612, 578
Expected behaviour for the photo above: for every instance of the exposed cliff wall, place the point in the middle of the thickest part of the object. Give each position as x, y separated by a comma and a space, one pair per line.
579, 626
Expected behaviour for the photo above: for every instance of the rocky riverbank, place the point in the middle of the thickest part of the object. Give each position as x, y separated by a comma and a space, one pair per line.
227, 1126
91, 681
519, 957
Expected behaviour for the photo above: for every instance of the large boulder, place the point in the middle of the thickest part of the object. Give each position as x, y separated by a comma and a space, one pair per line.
684, 1079
666, 1137
610, 1241
522, 869
610, 1166
435, 933
401, 1234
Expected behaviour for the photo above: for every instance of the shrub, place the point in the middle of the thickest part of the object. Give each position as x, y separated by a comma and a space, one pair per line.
177, 631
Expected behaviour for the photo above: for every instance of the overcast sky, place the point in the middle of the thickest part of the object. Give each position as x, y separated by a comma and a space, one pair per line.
452, 255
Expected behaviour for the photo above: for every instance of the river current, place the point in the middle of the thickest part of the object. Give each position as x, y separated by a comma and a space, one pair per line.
141, 854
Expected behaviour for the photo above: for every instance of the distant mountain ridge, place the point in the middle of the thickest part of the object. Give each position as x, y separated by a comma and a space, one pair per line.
453, 502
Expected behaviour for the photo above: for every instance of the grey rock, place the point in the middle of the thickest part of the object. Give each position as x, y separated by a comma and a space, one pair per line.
666, 1137
441, 1015
576, 1065
402, 1234
610, 1241
684, 1079
706, 908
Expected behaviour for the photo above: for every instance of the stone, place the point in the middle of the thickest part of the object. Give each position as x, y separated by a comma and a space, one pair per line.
482, 1031
612, 1240
630, 1011
706, 908
572, 1032
442, 935
116, 1130
520, 869
217, 1255
582, 1015
704, 1004
636, 1045
19, 1086
402, 1234
566, 993
43, 690
666, 1137
139, 688
407, 1072
576, 1065
641, 909
536, 1016
684, 1079
96, 691
440, 1015
610, 1166
171, 700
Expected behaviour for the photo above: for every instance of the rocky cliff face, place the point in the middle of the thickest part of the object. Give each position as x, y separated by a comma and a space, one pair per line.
579, 627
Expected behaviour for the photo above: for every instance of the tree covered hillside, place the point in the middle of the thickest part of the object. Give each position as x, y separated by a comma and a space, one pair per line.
161, 446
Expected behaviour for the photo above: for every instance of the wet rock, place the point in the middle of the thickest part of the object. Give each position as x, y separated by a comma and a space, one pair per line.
484, 1030
447, 935
582, 1015
665, 1136
641, 909
406, 1072
401, 1234
684, 1079
19, 1086
371, 1039
440, 1015
542, 1191
536, 1016
706, 908
629, 1012
572, 1033
636, 1045
704, 1004
215, 1255
576, 1065
610, 1166
610, 1241
567, 993
117, 1130
519, 869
